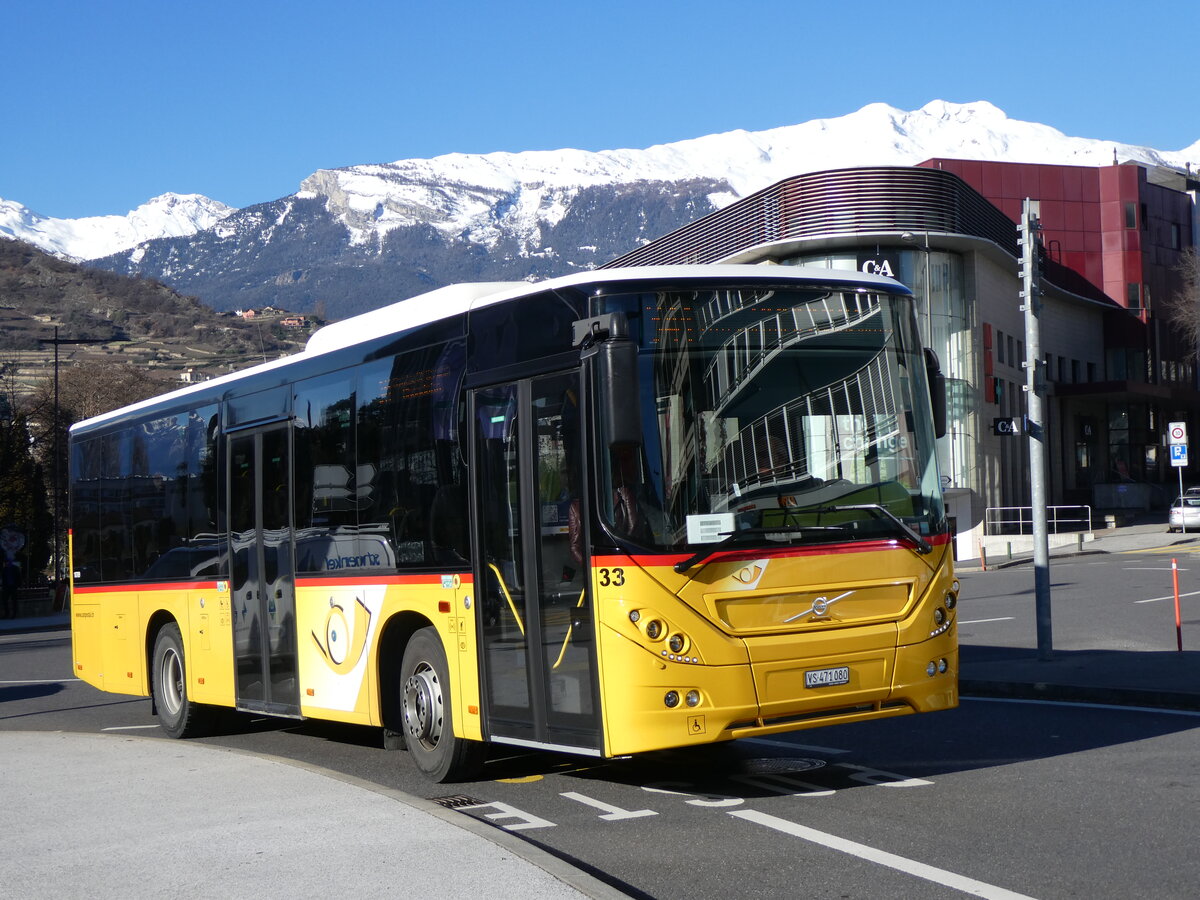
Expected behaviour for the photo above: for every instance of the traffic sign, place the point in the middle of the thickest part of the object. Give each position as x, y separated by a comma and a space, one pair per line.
1177, 433
1179, 455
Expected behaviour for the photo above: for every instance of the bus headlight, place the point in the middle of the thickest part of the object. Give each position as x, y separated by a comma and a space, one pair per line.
692, 698
677, 643
654, 629
671, 699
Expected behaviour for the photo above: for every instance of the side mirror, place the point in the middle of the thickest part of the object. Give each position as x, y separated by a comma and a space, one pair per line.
937, 392
616, 384
613, 353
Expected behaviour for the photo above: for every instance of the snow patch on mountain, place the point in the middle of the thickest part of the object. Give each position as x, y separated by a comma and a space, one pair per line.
484, 197
168, 215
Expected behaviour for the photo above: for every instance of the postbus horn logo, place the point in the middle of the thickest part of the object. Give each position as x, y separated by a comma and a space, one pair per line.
345, 636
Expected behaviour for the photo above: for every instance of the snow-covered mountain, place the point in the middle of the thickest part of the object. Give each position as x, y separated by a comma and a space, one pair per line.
354, 238
168, 215
482, 197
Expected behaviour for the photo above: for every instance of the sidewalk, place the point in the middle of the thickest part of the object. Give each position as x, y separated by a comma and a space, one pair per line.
119, 816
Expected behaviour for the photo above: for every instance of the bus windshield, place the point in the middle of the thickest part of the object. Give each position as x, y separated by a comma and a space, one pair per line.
774, 415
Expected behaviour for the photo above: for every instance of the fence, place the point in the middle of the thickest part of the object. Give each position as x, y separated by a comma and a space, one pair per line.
1019, 519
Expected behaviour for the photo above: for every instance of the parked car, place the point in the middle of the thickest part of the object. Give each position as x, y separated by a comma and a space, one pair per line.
1185, 512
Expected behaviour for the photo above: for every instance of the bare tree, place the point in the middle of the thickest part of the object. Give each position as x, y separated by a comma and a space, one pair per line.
1182, 309
96, 386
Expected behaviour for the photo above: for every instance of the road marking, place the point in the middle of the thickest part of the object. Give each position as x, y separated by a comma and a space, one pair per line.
127, 727
48, 681
1078, 705
505, 811
811, 748
1149, 569
982, 621
1167, 597
862, 851
613, 813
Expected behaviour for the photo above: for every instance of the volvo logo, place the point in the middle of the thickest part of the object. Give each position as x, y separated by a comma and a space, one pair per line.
820, 606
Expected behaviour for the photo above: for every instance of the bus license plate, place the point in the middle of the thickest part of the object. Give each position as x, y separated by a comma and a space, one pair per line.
826, 677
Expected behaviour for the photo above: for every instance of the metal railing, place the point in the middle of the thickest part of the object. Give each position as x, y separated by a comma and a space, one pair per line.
1019, 519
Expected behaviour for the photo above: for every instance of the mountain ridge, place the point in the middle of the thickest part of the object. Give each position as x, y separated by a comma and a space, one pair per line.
356, 237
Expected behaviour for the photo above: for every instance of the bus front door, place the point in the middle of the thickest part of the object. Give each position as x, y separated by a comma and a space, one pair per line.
534, 608
263, 585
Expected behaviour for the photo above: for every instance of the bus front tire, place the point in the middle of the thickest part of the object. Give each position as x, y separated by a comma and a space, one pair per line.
426, 715
178, 716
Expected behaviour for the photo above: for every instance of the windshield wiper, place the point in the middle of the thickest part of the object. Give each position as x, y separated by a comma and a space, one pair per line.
886, 515
732, 538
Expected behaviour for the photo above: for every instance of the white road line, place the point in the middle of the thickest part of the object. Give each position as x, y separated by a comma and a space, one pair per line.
127, 727
1162, 711
1168, 597
883, 858
981, 621
810, 748
1150, 569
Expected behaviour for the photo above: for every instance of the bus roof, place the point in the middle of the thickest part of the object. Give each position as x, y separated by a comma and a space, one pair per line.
456, 299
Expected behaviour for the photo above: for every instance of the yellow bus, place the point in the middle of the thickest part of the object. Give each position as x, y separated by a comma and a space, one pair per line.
609, 513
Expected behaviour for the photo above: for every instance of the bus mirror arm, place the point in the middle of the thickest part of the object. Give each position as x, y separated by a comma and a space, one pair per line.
937, 392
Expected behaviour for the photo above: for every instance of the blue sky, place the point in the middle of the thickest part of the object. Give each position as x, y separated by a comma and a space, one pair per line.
107, 103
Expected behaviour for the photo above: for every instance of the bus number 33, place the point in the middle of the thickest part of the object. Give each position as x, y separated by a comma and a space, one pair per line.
612, 577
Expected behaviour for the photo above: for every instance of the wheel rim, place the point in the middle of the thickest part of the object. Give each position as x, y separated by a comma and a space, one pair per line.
170, 679
423, 706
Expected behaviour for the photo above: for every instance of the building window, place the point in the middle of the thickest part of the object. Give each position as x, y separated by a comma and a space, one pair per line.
999, 346
1091, 371
1075, 371
1131, 215
1174, 236
1012, 358
1133, 296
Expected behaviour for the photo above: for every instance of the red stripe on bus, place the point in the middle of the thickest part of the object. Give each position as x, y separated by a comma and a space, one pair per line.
423, 579
367, 580
158, 586
738, 555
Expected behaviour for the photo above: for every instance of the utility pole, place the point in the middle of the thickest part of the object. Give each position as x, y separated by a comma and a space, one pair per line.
1035, 388
57, 512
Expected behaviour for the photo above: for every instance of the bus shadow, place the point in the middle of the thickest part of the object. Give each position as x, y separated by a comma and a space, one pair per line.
14, 692
1015, 709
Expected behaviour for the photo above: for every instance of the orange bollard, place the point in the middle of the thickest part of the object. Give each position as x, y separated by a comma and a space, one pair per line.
1178, 619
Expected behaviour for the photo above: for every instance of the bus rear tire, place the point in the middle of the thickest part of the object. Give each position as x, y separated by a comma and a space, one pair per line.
178, 716
426, 718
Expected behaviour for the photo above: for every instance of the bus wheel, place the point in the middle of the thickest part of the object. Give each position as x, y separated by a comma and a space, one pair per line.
427, 723
178, 716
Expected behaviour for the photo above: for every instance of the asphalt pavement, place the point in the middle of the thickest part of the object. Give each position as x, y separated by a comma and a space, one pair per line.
107, 816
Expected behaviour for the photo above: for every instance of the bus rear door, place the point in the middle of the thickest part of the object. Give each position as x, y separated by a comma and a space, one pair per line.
263, 587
